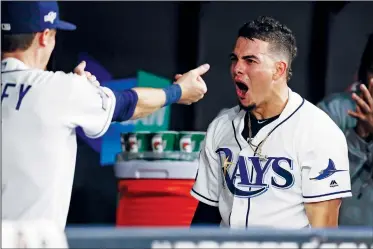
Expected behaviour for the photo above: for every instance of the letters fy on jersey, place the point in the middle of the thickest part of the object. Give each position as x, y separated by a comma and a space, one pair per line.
248, 177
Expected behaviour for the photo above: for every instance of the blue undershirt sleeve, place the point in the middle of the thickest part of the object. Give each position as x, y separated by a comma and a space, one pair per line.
125, 105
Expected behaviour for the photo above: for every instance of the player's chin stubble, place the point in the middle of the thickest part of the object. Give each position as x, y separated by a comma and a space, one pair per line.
248, 108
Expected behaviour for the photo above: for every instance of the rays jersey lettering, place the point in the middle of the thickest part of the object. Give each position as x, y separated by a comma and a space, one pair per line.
248, 177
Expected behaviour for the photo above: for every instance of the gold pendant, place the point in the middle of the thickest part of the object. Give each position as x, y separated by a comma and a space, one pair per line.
261, 157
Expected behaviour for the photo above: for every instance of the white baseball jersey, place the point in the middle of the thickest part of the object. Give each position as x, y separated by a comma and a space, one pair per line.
40, 111
306, 161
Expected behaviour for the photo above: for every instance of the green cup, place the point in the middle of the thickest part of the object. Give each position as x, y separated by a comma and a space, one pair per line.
164, 141
135, 142
190, 141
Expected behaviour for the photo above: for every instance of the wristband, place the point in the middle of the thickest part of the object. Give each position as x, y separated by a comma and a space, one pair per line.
125, 105
173, 94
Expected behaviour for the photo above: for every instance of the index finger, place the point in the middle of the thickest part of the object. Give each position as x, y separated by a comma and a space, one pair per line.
201, 70
367, 96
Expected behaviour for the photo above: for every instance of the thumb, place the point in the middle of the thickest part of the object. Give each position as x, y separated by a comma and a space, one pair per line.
201, 70
80, 68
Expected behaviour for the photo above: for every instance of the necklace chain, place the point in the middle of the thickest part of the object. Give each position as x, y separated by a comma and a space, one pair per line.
256, 148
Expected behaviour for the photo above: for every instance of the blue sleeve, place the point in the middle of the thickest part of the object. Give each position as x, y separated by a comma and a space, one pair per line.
125, 105
126, 101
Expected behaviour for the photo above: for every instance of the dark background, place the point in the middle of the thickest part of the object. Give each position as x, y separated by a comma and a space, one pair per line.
166, 38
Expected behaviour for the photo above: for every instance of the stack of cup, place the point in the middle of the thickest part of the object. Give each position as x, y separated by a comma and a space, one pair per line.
162, 145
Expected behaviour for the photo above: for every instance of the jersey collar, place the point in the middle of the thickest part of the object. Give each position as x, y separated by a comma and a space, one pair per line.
293, 105
12, 64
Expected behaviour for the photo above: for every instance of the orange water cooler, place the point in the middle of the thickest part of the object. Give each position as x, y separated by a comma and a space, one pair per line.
155, 193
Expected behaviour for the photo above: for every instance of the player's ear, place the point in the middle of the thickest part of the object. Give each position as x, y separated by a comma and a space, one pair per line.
280, 70
45, 37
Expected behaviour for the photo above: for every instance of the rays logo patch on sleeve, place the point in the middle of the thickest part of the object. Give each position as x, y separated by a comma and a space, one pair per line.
328, 171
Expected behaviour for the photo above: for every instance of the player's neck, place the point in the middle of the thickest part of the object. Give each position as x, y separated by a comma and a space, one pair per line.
29, 57
274, 106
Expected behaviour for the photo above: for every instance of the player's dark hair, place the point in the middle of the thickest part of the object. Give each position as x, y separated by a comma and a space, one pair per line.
14, 42
280, 37
366, 62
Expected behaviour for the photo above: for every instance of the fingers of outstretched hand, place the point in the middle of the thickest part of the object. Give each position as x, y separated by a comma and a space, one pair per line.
361, 103
357, 114
197, 72
367, 97
192, 85
201, 70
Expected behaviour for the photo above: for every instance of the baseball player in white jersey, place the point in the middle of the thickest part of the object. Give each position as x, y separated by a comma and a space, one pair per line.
274, 160
41, 109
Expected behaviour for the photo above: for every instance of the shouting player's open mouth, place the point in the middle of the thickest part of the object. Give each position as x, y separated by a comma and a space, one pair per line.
241, 89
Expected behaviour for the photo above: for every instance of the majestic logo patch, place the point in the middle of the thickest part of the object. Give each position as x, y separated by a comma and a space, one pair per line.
333, 184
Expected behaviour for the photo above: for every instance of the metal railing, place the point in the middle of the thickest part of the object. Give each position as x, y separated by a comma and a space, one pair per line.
219, 238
